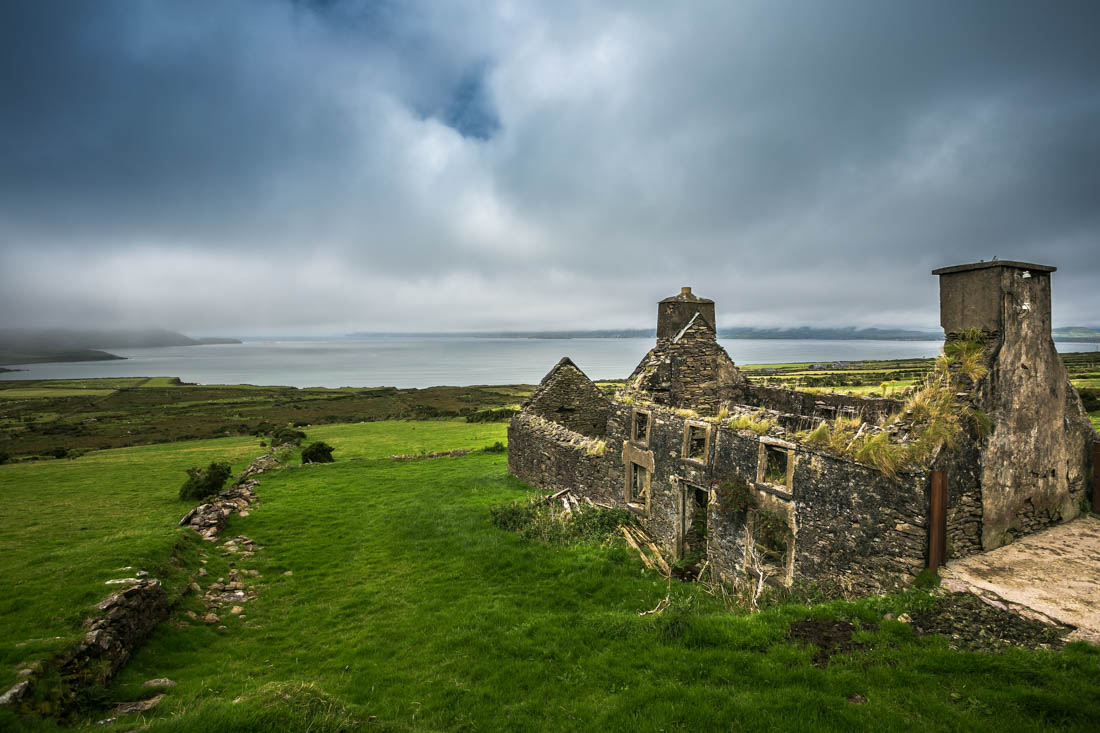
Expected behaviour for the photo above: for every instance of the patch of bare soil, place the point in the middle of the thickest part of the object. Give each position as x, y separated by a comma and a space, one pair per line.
829, 637
973, 625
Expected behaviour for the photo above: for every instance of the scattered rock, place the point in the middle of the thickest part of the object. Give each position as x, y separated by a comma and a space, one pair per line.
972, 624
203, 573
954, 586
159, 682
288, 573
223, 628
905, 618
120, 581
211, 618
15, 692
236, 610
140, 706
857, 700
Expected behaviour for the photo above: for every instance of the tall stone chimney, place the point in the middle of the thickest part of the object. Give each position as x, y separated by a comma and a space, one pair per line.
677, 311
998, 297
1036, 461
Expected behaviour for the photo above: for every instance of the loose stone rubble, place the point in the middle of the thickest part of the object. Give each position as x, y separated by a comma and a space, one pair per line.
128, 616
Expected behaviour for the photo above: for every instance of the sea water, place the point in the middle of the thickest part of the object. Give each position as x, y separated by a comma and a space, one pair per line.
416, 361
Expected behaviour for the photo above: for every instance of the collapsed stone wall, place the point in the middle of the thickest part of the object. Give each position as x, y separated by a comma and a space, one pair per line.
870, 409
126, 618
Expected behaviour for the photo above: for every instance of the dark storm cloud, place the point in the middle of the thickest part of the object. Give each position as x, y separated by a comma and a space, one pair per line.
446, 165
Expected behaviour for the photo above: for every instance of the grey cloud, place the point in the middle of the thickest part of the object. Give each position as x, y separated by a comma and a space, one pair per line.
428, 166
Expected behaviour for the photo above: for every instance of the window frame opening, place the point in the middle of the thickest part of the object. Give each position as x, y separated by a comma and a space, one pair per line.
695, 448
644, 419
638, 486
775, 464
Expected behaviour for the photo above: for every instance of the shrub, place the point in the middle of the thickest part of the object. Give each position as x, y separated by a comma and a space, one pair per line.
734, 496
201, 483
534, 519
287, 436
56, 452
318, 452
4, 457
492, 415
496, 447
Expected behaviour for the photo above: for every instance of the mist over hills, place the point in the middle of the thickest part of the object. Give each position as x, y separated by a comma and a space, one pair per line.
846, 333
36, 346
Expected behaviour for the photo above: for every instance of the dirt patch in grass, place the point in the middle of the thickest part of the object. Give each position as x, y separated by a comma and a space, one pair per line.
973, 625
828, 637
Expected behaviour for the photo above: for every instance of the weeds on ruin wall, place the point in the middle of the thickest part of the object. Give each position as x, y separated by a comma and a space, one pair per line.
933, 416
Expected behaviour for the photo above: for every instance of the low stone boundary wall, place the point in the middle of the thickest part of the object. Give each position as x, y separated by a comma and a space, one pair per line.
126, 618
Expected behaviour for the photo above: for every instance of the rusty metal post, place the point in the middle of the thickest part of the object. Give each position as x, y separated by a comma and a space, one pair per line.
937, 520
1096, 478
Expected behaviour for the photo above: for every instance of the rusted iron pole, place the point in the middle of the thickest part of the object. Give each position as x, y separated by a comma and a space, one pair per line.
937, 521
1096, 478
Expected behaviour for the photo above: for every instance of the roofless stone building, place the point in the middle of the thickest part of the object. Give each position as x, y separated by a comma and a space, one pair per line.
864, 492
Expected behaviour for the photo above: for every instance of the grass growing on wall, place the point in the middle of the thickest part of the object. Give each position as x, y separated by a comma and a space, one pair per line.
933, 415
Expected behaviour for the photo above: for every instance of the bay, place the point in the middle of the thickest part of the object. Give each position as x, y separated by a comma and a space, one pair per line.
415, 361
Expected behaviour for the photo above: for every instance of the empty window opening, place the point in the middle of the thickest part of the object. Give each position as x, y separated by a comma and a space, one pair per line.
775, 465
695, 447
694, 548
640, 432
639, 485
771, 538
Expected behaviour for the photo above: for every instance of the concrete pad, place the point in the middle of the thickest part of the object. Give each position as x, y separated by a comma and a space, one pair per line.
1055, 573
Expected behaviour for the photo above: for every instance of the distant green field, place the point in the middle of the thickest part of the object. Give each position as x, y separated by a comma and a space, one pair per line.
26, 393
37, 417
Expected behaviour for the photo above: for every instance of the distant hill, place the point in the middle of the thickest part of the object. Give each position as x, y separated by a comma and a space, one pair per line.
848, 333
37, 346
803, 332
1076, 333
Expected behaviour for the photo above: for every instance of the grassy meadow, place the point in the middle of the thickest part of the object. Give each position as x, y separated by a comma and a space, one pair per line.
387, 599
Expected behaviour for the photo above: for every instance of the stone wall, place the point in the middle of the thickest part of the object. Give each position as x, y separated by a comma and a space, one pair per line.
850, 523
553, 457
805, 403
689, 371
567, 397
1037, 461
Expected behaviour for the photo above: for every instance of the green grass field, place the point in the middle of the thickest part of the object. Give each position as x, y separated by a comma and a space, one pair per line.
66, 526
387, 599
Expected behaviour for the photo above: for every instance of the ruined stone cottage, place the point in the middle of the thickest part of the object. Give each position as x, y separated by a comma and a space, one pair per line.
830, 488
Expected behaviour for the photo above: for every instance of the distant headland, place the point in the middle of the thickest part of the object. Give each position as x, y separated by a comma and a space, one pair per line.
39, 346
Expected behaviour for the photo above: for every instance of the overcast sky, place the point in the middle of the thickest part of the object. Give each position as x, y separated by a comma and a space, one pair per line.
320, 167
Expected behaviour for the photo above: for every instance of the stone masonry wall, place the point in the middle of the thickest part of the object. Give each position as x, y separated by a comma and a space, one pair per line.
553, 457
805, 403
1037, 461
851, 524
566, 396
691, 371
